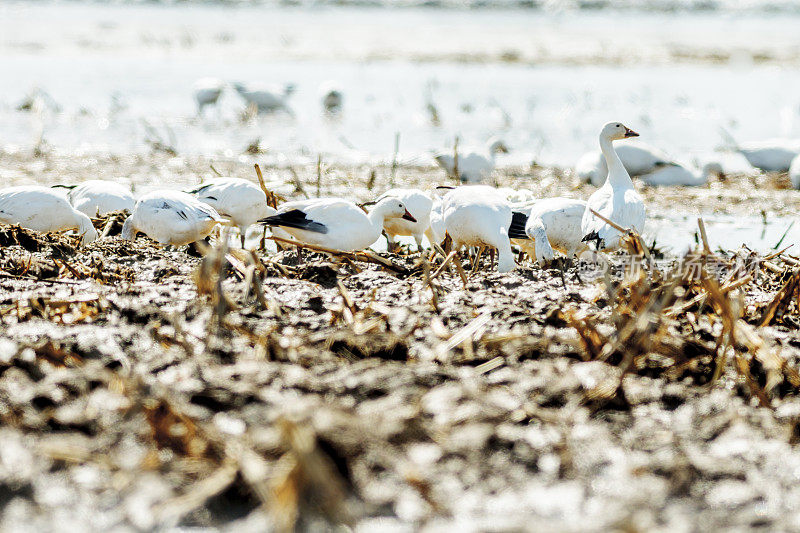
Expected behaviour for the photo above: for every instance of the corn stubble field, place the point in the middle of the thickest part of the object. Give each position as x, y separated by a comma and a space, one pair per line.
144, 388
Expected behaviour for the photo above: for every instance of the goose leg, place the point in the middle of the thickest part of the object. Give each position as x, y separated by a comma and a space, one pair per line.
477, 263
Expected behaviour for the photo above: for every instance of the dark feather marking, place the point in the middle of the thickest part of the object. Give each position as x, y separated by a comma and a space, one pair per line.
517, 228
294, 219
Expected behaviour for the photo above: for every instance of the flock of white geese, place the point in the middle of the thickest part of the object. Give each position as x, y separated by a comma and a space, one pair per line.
471, 214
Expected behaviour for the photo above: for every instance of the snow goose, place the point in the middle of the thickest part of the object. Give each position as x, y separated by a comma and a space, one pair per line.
171, 218
331, 96
436, 230
478, 215
419, 204
616, 199
636, 158
553, 223
207, 92
794, 172
242, 201
474, 165
42, 209
677, 175
775, 155
266, 98
336, 223
99, 197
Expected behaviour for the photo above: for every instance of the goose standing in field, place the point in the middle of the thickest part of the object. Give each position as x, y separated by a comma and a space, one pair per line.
266, 98
678, 175
207, 92
331, 96
553, 223
99, 197
478, 215
171, 218
794, 172
336, 223
474, 165
42, 209
419, 204
617, 199
637, 159
242, 201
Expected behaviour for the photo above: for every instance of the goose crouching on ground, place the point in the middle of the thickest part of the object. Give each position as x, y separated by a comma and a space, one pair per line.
474, 165
637, 159
678, 175
42, 209
419, 204
171, 218
553, 224
617, 200
99, 197
240, 200
336, 223
774, 155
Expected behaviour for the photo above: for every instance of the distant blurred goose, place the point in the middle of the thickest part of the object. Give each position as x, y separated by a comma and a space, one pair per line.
238, 199
617, 199
331, 96
266, 98
678, 175
207, 92
474, 165
553, 223
794, 172
42, 209
99, 197
336, 223
171, 218
775, 155
478, 215
419, 205
637, 159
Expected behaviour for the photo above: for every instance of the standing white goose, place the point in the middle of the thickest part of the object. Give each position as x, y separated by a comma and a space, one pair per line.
42, 209
553, 223
679, 175
478, 215
617, 199
637, 159
419, 204
171, 218
266, 98
794, 172
336, 223
207, 92
474, 165
100, 197
238, 199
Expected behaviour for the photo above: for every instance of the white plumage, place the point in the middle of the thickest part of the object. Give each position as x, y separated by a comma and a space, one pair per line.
171, 218
553, 223
240, 200
637, 159
774, 155
436, 228
266, 98
100, 197
42, 209
794, 172
207, 92
678, 175
336, 223
419, 204
474, 165
478, 215
617, 199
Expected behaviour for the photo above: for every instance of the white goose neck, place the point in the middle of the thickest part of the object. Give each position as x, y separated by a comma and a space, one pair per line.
617, 175
376, 217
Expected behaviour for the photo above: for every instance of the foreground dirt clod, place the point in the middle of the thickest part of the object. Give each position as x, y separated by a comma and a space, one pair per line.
143, 388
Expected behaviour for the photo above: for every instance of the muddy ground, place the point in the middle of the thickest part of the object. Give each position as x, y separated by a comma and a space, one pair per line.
144, 388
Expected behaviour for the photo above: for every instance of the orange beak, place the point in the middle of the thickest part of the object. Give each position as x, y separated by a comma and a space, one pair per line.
630, 133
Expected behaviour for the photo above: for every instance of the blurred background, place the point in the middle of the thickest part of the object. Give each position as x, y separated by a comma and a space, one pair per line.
543, 75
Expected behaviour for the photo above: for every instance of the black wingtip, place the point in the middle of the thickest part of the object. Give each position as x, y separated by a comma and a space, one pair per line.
294, 219
59, 186
590, 236
517, 228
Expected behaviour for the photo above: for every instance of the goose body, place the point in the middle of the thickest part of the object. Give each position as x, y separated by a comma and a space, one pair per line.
336, 223
637, 159
171, 218
679, 175
42, 209
240, 200
100, 197
266, 98
207, 92
616, 199
436, 228
794, 172
770, 156
478, 215
474, 165
553, 224
419, 204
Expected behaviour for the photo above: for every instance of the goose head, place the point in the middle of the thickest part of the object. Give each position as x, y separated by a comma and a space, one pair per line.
496, 146
392, 208
614, 131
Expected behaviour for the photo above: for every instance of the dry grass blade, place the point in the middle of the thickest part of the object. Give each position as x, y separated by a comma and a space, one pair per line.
782, 300
366, 255
465, 334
